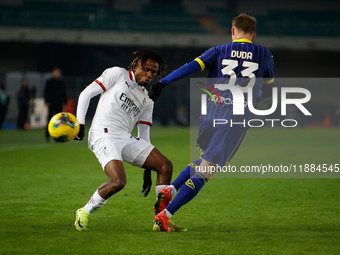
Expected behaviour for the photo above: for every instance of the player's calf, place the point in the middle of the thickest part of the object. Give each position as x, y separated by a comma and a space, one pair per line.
164, 172
116, 186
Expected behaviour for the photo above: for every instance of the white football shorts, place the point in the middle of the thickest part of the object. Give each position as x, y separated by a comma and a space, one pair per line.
133, 150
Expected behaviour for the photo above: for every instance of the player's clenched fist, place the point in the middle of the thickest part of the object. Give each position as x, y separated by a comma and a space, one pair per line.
81, 133
155, 90
147, 182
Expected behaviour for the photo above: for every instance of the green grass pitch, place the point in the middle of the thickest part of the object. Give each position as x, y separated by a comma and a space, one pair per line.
42, 184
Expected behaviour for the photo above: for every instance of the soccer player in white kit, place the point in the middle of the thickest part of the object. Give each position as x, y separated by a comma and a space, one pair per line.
123, 103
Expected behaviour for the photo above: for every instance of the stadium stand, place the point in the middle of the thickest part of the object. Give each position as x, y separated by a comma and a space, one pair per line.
71, 15
36, 35
163, 17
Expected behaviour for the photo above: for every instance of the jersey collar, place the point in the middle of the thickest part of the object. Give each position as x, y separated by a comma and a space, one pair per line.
132, 76
243, 40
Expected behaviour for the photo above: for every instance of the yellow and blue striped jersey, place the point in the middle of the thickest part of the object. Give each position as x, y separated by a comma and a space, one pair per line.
240, 63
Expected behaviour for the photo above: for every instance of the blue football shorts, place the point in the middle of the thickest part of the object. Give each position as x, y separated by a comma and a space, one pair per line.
220, 143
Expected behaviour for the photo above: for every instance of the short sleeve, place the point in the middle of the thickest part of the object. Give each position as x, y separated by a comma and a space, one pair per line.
146, 116
109, 77
208, 57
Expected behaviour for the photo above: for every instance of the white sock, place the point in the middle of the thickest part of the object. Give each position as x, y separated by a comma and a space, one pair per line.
167, 213
96, 202
173, 190
159, 188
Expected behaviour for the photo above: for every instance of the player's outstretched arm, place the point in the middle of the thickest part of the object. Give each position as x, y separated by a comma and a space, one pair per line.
85, 96
185, 70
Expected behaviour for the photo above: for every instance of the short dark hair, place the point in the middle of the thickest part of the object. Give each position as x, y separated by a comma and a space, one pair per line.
245, 23
145, 54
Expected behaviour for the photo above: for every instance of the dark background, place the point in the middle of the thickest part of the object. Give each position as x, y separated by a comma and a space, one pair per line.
303, 37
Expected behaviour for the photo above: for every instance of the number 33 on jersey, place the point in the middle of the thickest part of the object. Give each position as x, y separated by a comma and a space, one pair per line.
239, 59
241, 64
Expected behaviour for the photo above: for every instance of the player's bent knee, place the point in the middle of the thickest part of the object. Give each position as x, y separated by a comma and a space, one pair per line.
166, 167
117, 185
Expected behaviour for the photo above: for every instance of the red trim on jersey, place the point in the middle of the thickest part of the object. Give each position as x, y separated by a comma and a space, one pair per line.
144, 122
143, 89
131, 76
101, 85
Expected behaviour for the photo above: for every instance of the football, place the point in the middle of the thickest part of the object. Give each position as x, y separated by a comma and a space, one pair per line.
63, 127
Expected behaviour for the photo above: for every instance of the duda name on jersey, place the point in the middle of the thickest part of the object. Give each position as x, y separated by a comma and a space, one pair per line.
242, 54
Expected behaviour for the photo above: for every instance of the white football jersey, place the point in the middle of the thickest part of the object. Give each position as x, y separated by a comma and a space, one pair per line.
122, 104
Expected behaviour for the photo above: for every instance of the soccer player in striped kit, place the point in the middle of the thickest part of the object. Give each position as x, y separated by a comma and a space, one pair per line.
240, 63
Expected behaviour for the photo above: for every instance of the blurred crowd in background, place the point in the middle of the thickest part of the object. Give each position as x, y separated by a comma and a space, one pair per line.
84, 37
